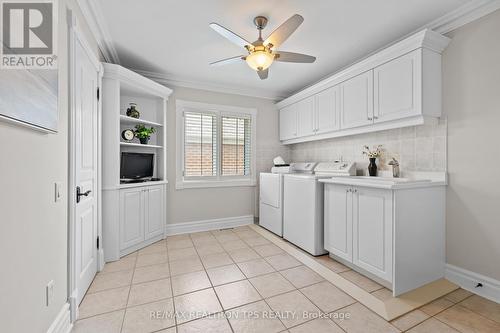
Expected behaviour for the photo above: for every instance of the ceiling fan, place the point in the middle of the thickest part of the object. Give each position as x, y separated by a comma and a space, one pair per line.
262, 53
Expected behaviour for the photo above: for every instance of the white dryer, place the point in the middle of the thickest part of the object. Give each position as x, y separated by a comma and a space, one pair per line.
271, 195
303, 205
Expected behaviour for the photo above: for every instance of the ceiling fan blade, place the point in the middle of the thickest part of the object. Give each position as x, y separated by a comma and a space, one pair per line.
263, 74
231, 36
284, 31
294, 57
227, 61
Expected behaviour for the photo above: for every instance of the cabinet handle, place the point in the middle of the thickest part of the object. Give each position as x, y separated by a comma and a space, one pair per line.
375, 117
355, 191
369, 118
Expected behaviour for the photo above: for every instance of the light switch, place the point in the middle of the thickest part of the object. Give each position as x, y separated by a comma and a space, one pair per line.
50, 292
57, 191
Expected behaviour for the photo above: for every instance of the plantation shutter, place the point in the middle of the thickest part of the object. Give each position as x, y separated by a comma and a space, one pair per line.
236, 145
200, 144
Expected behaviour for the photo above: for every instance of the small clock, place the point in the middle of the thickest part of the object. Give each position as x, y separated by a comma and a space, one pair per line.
128, 135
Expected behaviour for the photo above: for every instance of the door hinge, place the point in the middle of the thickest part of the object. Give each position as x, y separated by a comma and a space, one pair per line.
98, 93
98, 242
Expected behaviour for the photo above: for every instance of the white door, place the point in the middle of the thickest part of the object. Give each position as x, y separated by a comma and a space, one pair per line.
327, 110
86, 166
155, 221
356, 101
305, 115
131, 217
338, 221
396, 87
288, 122
372, 231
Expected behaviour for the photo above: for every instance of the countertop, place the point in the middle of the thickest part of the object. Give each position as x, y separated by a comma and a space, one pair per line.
388, 183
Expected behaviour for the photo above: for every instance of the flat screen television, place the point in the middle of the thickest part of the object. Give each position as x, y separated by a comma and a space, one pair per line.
136, 166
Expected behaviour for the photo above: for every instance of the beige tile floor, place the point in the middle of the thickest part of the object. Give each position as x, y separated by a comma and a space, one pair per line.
237, 281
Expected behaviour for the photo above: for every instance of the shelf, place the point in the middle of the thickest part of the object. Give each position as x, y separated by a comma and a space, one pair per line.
142, 184
131, 144
130, 120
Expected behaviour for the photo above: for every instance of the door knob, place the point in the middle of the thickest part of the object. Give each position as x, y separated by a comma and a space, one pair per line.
79, 193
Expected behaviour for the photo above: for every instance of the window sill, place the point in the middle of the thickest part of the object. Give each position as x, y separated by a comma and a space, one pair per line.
185, 184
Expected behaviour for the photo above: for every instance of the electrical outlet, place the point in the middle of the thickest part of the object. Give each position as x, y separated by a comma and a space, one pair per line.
57, 191
50, 292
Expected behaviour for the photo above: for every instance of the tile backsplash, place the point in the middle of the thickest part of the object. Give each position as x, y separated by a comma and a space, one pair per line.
417, 148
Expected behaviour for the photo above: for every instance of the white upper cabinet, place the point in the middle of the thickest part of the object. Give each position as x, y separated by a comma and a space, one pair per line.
397, 88
288, 122
356, 101
327, 110
306, 117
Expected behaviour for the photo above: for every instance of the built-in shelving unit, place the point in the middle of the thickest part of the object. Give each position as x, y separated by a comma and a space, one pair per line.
139, 145
129, 120
134, 214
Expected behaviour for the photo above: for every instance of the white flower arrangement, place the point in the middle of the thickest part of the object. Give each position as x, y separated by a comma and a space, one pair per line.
376, 152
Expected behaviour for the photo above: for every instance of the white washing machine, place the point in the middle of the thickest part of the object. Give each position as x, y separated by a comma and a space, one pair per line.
271, 195
303, 205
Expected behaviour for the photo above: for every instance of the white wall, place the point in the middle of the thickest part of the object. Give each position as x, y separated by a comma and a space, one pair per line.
33, 228
210, 203
471, 79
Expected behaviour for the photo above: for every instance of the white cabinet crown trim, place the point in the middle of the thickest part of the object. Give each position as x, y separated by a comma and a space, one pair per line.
426, 39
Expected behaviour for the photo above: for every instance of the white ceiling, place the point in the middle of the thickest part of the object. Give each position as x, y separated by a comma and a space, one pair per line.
172, 37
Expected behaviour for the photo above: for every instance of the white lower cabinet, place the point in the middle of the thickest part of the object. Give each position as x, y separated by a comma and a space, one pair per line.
372, 231
358, 227
338, 221
393, 236
131, 217
155, 220
142, 215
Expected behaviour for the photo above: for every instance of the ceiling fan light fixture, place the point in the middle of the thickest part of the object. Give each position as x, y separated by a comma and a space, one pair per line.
260, 59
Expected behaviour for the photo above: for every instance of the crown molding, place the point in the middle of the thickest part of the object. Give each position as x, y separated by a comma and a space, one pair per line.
92, 12
463, 15
177, 81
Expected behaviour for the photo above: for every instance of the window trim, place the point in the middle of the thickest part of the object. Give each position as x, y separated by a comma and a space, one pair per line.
219, 180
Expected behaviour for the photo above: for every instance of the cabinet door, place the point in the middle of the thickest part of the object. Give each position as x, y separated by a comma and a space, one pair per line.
288, 122
372, 231
356, 101
131, 217
397, 85
338, 221
305, 114
155, 221
327, 110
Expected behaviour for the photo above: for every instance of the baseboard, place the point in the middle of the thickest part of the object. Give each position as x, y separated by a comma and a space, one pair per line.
206, 225
468, 280
62, 323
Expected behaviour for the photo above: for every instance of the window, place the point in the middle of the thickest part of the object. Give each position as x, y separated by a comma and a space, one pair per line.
200, 144
215, 145
236, 146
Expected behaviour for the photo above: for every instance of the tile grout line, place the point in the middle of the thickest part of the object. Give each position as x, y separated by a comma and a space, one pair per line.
171, 285
128, 295
211, 283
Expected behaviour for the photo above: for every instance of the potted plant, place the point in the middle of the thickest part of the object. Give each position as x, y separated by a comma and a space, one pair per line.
143, 133
372, 156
